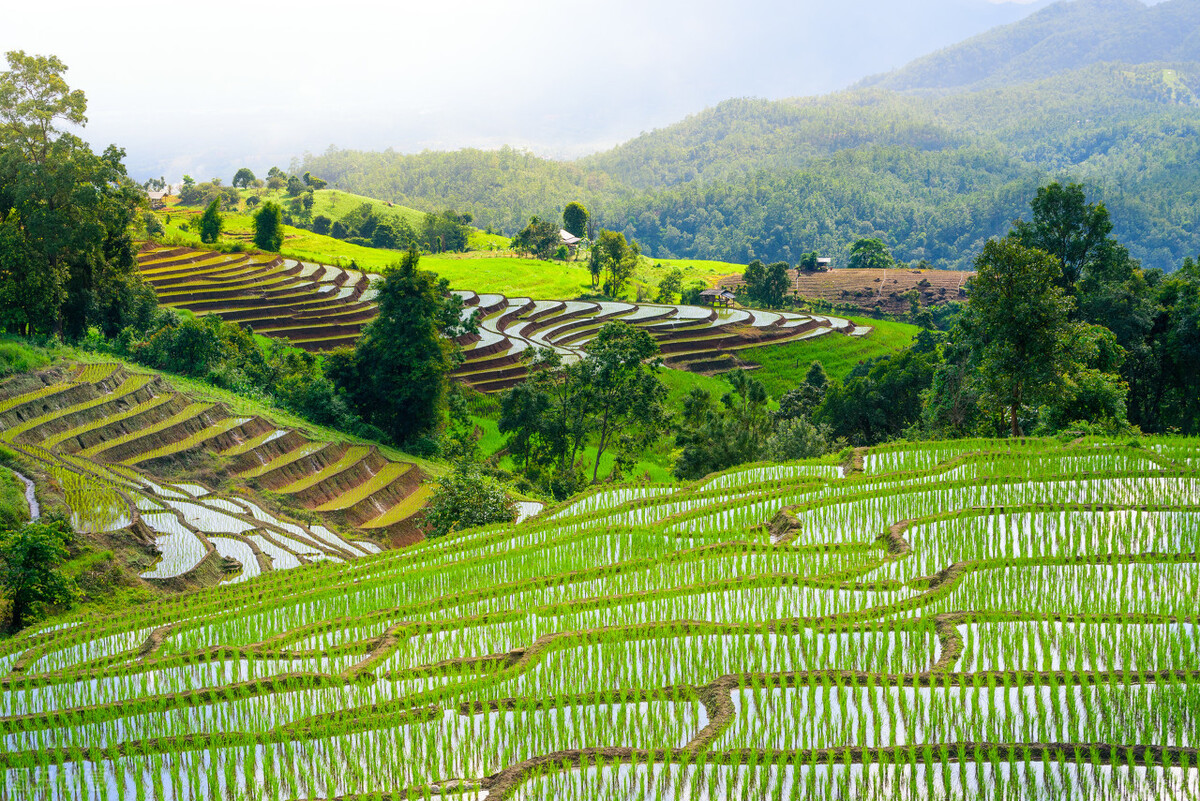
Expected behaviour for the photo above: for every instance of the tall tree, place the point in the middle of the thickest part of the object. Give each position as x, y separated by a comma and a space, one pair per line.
622, 392
268, 227
775, 285
575, 219
211, 223
1067, 227
66, 213
31, 559
1017, 323
614, 259
870, 254
243, 178
396, 376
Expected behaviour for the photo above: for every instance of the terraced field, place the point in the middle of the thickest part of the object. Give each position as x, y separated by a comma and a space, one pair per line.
875, 290
320, 307
124, 448
977, 619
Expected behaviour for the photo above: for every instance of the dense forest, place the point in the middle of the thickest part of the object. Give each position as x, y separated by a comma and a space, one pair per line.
932, 170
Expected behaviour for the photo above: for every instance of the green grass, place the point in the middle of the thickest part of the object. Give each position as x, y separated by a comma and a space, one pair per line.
650, 271
17, 356
783, 366
13, 509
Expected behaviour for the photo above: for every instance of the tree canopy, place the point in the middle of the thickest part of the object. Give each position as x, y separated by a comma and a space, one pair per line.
268, 227
396, 376
67, 259
575, 219
31, 559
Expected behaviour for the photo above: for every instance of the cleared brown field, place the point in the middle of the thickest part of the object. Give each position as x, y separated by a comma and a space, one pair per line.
875, 290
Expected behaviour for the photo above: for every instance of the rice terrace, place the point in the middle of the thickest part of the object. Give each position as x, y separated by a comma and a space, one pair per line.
835, 437
1011, 619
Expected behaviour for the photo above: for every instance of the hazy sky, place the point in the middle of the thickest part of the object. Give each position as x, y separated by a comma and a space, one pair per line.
207, 86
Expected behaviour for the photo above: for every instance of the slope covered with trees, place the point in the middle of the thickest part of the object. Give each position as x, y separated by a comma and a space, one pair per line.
933, 174
1059, 38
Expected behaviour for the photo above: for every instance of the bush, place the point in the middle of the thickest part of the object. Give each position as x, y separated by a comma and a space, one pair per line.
467, 498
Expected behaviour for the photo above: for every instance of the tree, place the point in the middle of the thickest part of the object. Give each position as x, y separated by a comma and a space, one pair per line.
321, 224
1067, 227
712, 438
539, 239
610, 397
34, 96
622, 393
445, 232
31, 558
66, 214
295, 186
804, 399
752, 279
276, 182
1017, 324
870, 254
809, 262
314, 181
467, 498
880, 398
243, 178
775, 285
385, 235
211, 223
575, 219
268, 227
613, 259
670, 286
396, 376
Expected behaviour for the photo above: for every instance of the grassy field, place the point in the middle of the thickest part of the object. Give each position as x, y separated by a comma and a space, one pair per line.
651, 271
782, 367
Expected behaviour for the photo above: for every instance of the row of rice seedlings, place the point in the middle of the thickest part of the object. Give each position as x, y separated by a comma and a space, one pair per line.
675, 655
866, 517
26, 696
1168, 589
927, 774
737, 605
757, 475
607, 499
447, 747
651, 578
912, 457
1078, 646
988, 709
420, 585
973, 536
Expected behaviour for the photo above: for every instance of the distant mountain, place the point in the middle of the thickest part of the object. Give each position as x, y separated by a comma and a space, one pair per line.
1063, 37
932, 173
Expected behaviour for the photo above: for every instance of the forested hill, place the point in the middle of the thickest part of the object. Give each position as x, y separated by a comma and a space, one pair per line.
933, 174
1057, 39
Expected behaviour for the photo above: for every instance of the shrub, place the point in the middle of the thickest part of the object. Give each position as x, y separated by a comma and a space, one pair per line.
467, 498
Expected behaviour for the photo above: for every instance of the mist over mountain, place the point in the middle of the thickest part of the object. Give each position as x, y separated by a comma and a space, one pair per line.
1063, 37
932, 173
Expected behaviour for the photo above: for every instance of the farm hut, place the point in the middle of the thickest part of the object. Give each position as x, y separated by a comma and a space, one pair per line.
569, 239
824, 263
156, 199
716, 297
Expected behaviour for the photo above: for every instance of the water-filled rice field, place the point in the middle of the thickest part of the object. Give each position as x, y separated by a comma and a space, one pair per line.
984, 619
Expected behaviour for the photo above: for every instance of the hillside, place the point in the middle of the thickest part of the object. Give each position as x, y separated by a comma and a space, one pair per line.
189, 486
321, 307
940, 618
1061, 38
933, 174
